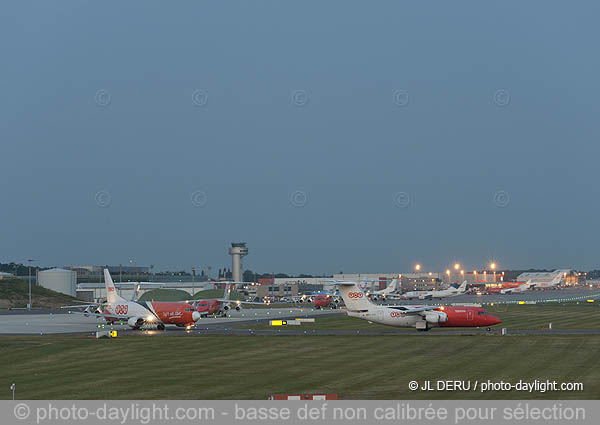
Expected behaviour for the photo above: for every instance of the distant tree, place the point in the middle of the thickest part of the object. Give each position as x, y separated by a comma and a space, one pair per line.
248, 276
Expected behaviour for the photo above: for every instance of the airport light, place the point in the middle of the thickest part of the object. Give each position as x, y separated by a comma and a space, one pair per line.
29, 305
456, 266
418, 267
12, 388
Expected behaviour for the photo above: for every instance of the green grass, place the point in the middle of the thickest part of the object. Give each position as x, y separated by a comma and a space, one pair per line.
562, 316
165, 295
538, 316
252, 367
14, 293
217, 293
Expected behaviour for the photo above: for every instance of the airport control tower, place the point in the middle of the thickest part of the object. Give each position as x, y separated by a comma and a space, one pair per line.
237, 251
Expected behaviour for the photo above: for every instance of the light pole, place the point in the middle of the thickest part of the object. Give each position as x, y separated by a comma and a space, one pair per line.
493, 266
12, 388
193, 281
29, 305
132, 262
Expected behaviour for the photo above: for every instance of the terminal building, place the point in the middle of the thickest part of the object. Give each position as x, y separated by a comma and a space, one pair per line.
268, 288
417, 281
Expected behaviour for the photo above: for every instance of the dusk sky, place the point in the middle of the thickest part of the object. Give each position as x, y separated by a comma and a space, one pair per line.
339, 135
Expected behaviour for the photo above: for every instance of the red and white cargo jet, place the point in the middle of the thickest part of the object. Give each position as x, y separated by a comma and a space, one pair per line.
420, 317
138, 314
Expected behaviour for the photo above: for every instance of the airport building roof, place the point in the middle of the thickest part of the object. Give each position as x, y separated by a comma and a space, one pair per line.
542, 275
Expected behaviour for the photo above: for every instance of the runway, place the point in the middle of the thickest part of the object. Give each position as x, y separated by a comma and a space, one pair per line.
22, 322
61, 322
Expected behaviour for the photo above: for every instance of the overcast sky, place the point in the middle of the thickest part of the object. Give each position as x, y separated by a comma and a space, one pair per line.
339, 135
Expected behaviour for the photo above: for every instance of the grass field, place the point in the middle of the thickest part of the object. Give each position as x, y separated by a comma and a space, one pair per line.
513, 316
165, 295
252, 367
14, 293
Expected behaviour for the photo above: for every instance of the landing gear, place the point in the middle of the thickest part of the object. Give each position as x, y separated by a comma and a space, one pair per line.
160, 327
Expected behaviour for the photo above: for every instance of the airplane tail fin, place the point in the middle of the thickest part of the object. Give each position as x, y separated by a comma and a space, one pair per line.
227, 292
463, 287
354, 298
136, 293
111, 291
393, 286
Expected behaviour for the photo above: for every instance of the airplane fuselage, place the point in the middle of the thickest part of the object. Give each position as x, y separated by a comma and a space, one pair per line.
460, 316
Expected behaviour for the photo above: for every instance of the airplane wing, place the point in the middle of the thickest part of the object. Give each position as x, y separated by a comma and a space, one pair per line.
224, 300
102, 315
415, 310
81, 306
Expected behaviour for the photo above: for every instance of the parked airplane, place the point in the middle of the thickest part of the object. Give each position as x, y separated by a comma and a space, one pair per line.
220, 306
420, 317
554, 282
325, 300
521, 288
502, 286
310, 298
429, 295
383, 293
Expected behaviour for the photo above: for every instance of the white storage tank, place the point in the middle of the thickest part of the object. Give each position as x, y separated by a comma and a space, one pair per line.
59, 280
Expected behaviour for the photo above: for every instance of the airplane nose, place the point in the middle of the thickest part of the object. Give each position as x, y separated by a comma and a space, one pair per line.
196, 316
495, 320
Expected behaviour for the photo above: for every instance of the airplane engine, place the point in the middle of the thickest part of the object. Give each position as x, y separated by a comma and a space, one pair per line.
135, 322
196, 316
225, 307
238, 307
436, 317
